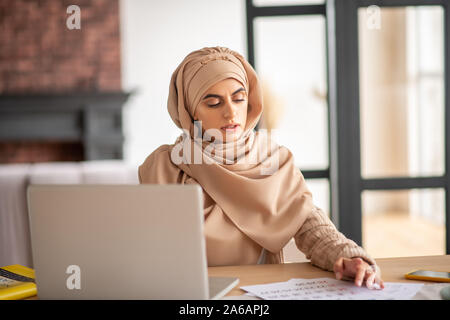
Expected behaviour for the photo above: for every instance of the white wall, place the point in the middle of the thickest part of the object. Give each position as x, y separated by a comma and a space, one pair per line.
156, 36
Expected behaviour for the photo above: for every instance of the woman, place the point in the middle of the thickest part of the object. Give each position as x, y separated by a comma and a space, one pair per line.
255, 199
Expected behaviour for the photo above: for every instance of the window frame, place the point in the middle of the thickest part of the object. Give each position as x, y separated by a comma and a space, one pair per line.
344, 172
345, 109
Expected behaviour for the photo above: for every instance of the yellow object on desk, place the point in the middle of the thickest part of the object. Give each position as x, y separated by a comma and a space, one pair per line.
428, 275
17, 282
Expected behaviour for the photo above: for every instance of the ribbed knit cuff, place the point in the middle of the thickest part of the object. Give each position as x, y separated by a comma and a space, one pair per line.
323, 244
351, 250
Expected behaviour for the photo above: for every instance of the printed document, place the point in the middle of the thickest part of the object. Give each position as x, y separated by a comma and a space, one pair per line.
331, 289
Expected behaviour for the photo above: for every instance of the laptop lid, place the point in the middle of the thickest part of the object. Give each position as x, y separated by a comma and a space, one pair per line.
118, 241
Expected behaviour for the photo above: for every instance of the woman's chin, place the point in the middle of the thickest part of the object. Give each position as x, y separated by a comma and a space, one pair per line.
231, 136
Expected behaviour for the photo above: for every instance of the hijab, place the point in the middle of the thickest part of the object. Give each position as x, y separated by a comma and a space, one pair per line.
255, 198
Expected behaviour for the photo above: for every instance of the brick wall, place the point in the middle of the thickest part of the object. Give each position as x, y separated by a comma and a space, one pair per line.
43, 151
38, 53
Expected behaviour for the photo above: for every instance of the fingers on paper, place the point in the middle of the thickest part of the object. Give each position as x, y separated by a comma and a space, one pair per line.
373, 279
361, 272
339, 268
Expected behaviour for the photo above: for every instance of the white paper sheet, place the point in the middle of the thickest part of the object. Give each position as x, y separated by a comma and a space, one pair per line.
331, 289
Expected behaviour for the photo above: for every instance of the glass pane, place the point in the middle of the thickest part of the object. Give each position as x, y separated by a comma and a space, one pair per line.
404, 223
320, 189
263, 3
401, 91
290, 60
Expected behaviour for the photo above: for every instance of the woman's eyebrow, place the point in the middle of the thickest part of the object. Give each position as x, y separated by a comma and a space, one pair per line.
218, 96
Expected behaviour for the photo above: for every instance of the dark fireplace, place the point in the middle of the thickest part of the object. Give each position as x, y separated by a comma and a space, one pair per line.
61, 127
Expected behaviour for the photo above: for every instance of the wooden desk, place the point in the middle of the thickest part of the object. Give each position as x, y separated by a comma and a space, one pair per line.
392, 270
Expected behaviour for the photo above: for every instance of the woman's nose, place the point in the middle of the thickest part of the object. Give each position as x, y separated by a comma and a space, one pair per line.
230, 110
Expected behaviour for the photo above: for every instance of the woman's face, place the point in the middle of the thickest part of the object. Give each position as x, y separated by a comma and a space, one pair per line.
224, 104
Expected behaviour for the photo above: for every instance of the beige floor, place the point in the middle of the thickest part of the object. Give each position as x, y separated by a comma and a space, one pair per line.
392, 235
400, 235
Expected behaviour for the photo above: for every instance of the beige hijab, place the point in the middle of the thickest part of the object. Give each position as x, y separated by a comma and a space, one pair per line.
254, 196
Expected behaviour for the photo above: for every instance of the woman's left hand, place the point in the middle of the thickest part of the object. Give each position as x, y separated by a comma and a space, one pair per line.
359, 270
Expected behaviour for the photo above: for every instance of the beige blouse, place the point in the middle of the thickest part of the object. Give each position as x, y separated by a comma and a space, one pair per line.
317, 238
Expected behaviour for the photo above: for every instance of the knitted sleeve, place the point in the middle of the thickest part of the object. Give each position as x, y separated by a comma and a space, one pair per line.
323, 244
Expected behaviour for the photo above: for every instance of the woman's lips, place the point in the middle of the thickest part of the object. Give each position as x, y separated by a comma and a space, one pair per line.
231, 128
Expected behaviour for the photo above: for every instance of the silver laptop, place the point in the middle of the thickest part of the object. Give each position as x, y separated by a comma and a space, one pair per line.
121, 242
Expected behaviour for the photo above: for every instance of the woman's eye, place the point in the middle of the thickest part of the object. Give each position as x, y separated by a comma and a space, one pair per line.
239, 98
213, 102
212, 105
